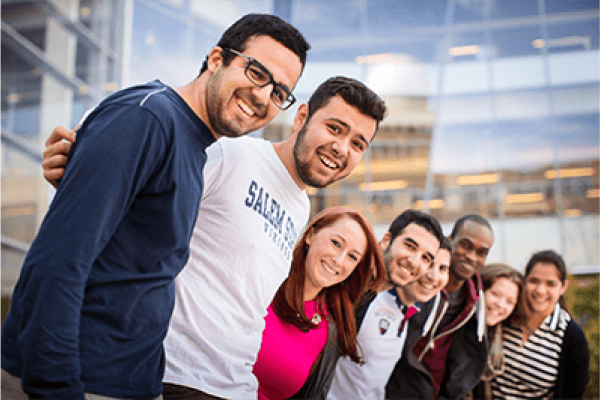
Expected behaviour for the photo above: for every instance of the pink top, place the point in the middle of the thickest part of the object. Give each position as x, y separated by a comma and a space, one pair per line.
287, 354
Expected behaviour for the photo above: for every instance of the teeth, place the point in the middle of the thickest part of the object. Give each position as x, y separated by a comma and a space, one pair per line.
410, 272
328, 162
245, 107
330, 270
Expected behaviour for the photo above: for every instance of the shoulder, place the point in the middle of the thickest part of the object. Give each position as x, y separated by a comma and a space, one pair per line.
244, 145
363, 306
574, 333
157, 99
133, 104
241, 153
367, 299
143, 95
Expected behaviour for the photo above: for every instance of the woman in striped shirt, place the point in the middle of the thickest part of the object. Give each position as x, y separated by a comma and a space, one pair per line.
505, 304
549, 359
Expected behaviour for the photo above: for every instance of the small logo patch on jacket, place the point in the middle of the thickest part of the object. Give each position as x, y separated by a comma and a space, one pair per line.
384, 324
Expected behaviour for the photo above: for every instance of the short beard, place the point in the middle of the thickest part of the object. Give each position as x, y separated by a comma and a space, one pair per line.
214, 110
387, 259
303, 168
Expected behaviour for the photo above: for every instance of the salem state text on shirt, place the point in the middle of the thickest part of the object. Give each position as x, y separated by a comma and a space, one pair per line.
280, 228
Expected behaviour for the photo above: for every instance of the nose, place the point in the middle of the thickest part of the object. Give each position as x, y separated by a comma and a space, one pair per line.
472, 255
433, 273
415, 262
539, 288
263, 95
501, 304
338, 257
340, 147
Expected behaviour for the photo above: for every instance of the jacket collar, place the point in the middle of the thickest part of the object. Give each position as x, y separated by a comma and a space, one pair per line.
553, 319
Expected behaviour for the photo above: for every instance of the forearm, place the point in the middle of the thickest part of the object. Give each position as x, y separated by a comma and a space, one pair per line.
48, 328
99, 186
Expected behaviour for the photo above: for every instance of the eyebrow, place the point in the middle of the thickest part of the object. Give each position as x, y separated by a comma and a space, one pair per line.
465, 239
341, 237
417, 244
267, 70
345, 241
345, 125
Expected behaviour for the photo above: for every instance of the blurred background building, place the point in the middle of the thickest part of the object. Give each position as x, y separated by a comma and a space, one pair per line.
494, 104
494, 107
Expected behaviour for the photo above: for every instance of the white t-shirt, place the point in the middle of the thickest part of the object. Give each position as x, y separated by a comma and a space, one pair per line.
381, 348
251, 214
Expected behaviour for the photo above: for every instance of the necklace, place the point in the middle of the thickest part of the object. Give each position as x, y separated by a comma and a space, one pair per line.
316, 319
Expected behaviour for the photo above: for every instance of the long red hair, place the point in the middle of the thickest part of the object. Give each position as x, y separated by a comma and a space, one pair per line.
340, 299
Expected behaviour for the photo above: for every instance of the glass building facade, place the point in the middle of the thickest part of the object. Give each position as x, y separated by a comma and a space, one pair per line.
493, 104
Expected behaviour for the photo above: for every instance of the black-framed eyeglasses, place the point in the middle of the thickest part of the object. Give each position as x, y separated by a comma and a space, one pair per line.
259, 75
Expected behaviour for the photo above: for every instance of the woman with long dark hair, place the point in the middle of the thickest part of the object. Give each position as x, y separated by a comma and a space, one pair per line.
549, 359
335, 261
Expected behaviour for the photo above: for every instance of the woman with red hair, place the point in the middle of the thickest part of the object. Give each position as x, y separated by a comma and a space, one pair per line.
334, 262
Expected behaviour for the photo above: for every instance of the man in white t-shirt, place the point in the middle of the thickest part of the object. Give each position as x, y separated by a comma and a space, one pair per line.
417, 258
253, 207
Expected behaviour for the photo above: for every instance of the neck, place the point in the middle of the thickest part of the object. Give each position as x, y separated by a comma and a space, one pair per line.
285, 152
385, 285
194, 95
454, 284
404, 298
310, 293
535, 320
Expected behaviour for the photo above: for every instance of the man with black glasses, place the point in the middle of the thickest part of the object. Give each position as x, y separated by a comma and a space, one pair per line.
93, 302
253, 207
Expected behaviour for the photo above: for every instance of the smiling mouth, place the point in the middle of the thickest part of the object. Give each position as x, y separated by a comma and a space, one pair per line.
245, 108
468, 266
538, 301
328, 162
410, 271
329, 269
426, 286
495, 313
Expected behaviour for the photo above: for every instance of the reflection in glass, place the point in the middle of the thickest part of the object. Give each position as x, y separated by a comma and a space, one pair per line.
505, 9
516, 42
570, 37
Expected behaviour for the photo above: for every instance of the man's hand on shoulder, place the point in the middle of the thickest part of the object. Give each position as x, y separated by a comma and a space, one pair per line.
57, 150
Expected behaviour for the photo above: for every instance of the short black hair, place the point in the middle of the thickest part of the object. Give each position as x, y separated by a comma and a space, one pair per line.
445, 244
254, 25
469, 217
417, 217
550, 257
354, 93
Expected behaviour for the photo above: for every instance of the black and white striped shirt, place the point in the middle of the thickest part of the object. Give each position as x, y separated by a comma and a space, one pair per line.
531, 370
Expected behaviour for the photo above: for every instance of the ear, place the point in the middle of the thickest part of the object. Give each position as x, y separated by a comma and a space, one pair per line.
309, 236
565, 287
215, 59
385, 241
300, 118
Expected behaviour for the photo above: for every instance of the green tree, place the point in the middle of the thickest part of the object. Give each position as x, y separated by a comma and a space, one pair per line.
582, 299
